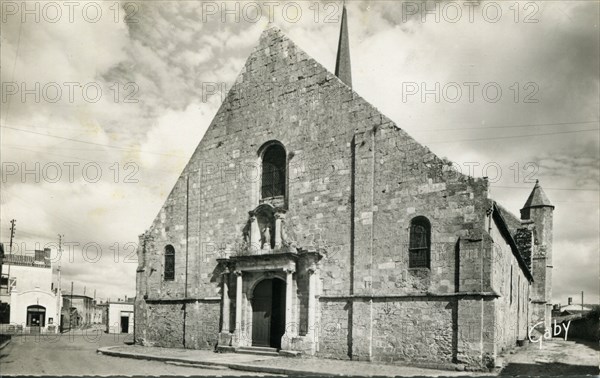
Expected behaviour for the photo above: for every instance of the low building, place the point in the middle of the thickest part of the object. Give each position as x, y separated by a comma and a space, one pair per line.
119, 317
32, 293
103, 307
4, 305
82, 308
573, 309
97, 312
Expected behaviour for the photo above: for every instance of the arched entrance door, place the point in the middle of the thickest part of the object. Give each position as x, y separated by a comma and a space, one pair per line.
268, 313
36, 318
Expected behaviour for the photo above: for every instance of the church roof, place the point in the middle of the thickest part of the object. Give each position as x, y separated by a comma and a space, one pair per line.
505, 231
512, 221
537, 198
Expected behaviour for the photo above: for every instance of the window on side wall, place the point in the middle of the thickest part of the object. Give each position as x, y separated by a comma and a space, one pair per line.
169, 263
419, 243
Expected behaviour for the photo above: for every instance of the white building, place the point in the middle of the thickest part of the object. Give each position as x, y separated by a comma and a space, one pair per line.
119, 317
33, 292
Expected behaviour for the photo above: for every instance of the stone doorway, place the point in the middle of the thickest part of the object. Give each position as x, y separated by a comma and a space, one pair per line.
268, 313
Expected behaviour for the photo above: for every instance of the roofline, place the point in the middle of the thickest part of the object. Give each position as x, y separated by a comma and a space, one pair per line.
537, 206
75, 295
511, 241
127, 303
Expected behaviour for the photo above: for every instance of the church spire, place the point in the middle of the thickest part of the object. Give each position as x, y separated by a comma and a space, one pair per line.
536, 199
342, 65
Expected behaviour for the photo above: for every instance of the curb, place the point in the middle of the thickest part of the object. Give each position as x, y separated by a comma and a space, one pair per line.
4, 344
210, 364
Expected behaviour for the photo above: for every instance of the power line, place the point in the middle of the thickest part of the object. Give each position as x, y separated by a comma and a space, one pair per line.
545, 188
63, 156
513, 136
86, 160
505, 126
88, 142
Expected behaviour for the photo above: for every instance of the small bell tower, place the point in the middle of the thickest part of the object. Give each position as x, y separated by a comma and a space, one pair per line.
539, 210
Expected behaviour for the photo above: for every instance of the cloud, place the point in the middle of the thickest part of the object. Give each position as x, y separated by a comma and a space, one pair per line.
155, 108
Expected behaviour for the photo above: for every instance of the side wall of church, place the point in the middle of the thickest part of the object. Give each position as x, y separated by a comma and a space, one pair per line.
509, 281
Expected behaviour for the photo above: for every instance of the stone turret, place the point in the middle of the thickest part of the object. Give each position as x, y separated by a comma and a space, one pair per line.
539, 210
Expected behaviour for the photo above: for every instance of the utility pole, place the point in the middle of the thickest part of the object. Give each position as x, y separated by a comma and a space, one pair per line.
58, 284
71, 308
12, 235
60, 237
582, 300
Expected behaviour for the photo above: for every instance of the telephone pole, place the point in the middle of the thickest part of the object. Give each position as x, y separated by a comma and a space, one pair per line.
12, 235
71, 308
59, 298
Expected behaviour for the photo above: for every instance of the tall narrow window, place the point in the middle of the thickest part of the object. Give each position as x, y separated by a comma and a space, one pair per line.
420, 243
169, 263
511, 284
519, 293
273, 172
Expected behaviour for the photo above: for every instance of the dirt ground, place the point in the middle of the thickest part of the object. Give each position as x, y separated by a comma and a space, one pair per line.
556, 357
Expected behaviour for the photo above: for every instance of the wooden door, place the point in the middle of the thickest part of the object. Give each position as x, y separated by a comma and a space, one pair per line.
261, 313
278, 313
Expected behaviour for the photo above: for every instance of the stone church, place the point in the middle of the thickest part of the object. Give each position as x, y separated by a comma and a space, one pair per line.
308, 223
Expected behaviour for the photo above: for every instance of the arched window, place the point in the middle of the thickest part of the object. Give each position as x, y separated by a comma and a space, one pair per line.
273, 172
169, 263
419, 249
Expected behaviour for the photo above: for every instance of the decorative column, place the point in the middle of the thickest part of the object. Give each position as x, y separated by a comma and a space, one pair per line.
226, 302
290, 327
238, 305
254, 234
311, 302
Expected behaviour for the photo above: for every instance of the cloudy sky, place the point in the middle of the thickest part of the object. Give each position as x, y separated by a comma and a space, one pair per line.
102, 105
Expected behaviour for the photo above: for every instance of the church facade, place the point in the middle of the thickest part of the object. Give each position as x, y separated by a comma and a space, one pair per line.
306, 222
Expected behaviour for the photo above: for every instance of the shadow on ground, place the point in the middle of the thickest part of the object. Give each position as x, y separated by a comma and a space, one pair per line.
547, 369
590, 344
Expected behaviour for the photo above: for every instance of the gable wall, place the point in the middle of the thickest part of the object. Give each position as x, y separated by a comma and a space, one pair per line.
340, 149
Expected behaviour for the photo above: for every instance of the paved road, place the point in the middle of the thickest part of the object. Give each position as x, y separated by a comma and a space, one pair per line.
70, 354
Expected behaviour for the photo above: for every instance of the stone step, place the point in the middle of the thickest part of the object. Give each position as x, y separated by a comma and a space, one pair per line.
261, 351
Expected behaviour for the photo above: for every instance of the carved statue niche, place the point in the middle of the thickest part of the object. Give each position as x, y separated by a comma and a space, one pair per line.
265, 216
246, 230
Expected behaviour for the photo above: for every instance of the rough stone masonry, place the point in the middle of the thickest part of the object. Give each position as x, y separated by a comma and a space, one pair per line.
306, 222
